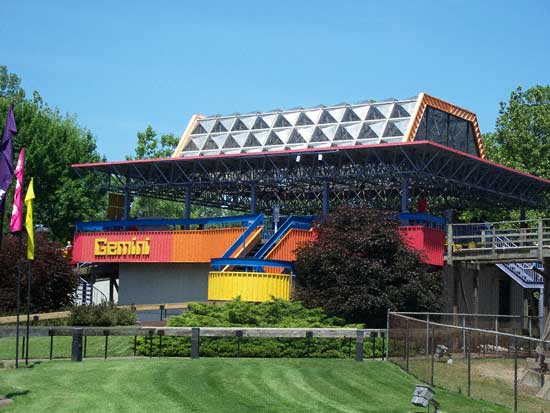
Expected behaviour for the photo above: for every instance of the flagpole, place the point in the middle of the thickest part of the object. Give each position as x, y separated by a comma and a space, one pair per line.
18, 310
29, 281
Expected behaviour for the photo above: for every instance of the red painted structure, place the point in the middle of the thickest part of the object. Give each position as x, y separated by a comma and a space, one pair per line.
429, 242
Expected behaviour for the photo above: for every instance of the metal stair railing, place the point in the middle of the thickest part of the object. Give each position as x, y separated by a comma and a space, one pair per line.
241, 241
291, 222
524, 271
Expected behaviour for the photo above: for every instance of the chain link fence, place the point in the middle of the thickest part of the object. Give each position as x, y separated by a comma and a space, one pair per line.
448, 351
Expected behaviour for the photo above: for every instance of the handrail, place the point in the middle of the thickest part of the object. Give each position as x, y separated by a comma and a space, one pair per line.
421, 217
251, 262
100, 225
261, 332
259, 220
300, 222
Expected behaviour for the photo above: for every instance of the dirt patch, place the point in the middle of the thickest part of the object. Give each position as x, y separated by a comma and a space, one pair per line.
5, 402
499, 371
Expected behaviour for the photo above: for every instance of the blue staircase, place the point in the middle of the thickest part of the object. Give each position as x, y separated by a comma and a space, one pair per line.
297, 222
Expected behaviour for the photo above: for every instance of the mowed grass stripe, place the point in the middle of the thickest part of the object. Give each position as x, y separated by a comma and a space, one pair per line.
229, 385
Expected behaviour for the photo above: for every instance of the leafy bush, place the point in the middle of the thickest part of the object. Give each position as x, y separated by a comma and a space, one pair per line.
101, 315
274, 313
53, 281
359, 267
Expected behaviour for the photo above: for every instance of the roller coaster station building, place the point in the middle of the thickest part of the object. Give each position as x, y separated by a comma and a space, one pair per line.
281, 169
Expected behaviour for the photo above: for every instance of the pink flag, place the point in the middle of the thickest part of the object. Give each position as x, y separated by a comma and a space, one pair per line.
16, 223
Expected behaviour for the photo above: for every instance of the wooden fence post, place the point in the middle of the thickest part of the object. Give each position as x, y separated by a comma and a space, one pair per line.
359, 345
195, 342
76, 353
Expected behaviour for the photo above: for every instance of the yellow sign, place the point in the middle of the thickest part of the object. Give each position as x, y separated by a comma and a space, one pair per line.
102, 247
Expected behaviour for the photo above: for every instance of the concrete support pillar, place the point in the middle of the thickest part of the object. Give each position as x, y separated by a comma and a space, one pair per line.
326, 190
253, 199
405, 196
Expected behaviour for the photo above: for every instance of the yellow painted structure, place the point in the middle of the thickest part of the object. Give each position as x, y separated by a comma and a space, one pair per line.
250, 286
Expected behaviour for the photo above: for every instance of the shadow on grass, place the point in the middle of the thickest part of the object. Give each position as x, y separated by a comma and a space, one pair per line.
15, 394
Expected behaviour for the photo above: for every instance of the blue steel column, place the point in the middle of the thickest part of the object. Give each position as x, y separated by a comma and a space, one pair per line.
325, 198
187, 207
253, 200
126, 214
405, 196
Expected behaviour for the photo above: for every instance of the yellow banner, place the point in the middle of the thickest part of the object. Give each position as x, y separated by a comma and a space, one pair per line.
28, 220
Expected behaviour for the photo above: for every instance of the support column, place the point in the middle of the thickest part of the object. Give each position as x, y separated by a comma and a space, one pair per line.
405, 196
544, 302
326, 205
126, 214
253, 200
475, 296
111, 290
187, 206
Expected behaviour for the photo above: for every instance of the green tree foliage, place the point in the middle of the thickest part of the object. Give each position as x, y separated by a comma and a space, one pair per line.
522, 135
359, 267
149, 146
52, 142
53, 280
274, 313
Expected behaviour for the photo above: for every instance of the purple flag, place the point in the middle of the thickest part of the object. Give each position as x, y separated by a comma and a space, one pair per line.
6, 156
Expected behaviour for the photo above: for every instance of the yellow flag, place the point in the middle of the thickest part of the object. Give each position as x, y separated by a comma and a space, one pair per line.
28, 220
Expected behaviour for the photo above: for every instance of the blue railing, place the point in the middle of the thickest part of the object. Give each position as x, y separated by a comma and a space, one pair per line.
298, 222
425, 220
163, 223
250, 263
259, 220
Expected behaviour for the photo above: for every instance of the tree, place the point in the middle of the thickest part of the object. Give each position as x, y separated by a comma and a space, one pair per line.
359, 267
150, 146
53, 142
53, 280
522, 135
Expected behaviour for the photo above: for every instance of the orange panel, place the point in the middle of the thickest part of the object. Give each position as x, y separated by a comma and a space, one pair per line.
285, 249
202, 245
154, 246
123, 246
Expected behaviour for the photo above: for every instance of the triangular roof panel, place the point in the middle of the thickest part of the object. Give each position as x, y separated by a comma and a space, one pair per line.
252, 141
273, 139
230, 142
303, 120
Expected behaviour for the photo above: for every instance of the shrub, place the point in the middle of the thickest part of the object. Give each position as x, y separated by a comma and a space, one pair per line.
359, 267
101, 315
53, 284
274, 313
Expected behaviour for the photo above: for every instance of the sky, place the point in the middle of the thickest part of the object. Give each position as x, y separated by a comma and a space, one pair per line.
120, 66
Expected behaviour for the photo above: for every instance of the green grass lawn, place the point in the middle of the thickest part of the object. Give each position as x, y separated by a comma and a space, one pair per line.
40, 347
240, 385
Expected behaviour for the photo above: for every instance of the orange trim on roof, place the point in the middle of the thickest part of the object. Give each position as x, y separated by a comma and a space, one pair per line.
185, 137
427, 100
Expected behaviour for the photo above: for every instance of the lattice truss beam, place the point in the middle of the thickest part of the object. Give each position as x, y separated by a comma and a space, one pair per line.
368, 175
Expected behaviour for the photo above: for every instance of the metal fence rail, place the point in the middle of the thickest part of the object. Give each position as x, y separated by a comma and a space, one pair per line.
506, 241
364, 338
497, 366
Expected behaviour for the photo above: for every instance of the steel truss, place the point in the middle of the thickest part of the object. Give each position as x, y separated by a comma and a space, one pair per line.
371, 175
